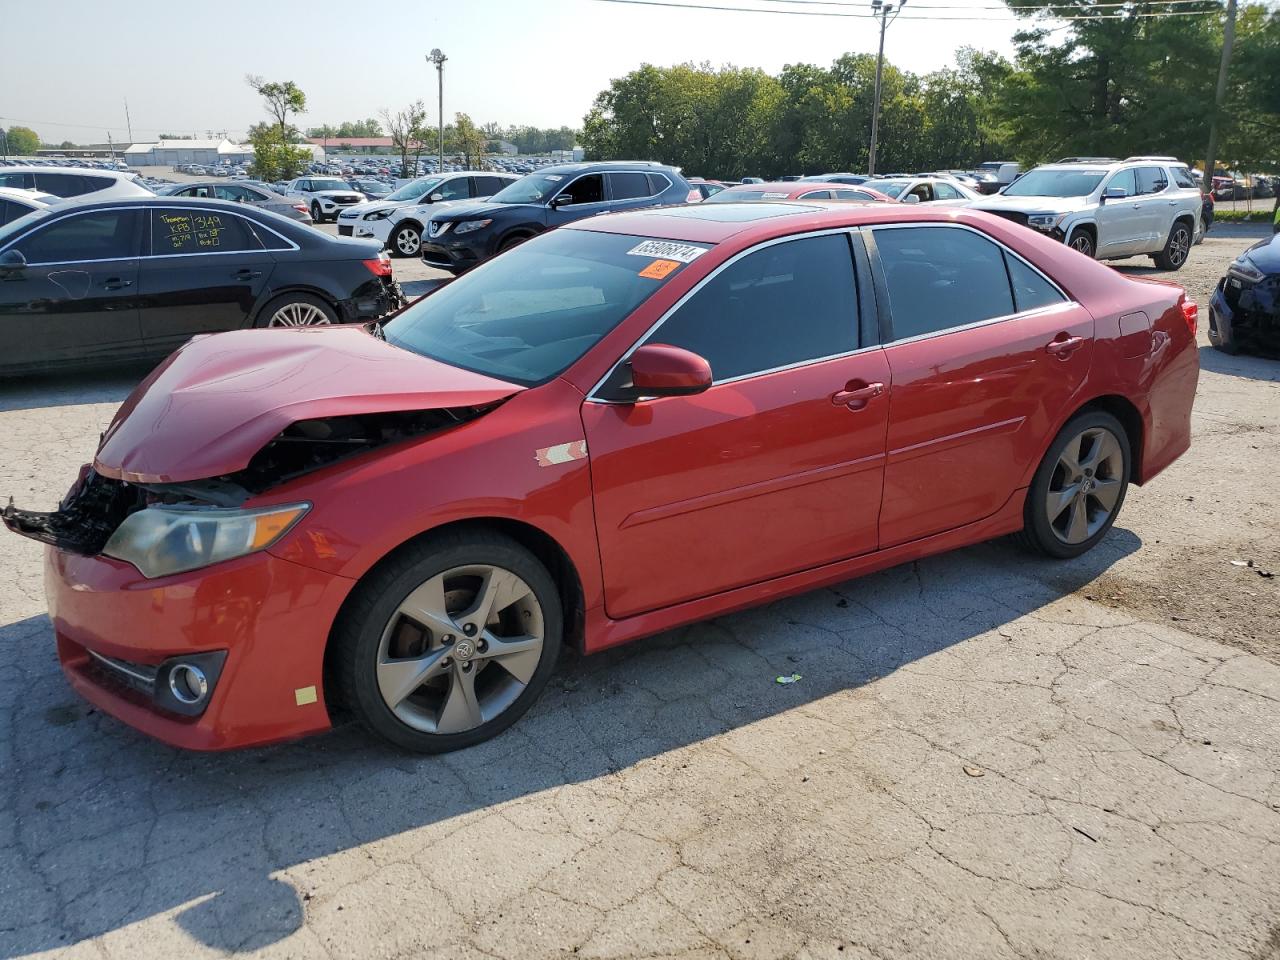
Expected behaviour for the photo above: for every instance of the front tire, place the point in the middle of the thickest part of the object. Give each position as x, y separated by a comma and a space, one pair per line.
316, 215
1082, 240
1177, 248
406, 240
1079, 487
448, 643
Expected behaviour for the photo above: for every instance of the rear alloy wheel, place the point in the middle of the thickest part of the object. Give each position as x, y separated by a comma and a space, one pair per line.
297, 310
1176, 249
406, 241
1079, 487
450, 643
1082, 240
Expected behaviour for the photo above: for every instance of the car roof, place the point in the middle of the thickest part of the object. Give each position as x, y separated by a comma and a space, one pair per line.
95, 171
603, 166
30, 196
718, 222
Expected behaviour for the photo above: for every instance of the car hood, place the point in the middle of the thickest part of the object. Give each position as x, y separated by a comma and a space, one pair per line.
353, 192
1032, 204
369, 206
471, 208
1266, 254
220, 399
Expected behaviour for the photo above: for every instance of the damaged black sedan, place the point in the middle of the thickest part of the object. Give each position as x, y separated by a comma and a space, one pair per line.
1244, 311
123, 280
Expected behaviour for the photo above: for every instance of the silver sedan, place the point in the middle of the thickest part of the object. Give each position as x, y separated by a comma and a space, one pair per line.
256, 194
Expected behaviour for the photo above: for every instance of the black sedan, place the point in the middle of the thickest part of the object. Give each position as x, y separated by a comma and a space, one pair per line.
1244, 311
92, 283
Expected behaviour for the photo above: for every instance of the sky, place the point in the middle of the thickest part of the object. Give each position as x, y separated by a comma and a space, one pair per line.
541, 62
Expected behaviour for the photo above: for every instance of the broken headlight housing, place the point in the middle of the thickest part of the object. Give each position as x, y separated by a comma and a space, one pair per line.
162, 539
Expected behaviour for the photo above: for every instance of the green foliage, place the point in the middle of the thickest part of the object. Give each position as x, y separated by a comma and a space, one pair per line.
275, 157
409, 132
468, 140
347, 129
23, 141
533, 139
281, 99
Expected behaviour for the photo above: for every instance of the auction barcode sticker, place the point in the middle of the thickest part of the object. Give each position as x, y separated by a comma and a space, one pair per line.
666, 250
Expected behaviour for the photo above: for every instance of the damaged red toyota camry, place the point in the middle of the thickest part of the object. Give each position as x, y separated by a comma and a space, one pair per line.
630, 423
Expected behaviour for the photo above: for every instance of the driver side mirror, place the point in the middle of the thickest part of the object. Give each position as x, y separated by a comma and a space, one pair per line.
911, 198
561, 200
661, 370
435, 198
1115, 193
13, 260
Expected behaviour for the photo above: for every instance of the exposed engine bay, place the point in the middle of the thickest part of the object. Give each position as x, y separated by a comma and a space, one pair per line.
97, 505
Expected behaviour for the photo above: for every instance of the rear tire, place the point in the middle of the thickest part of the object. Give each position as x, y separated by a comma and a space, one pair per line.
406, 643
297, 310
1082, 241
1079, 487
1177, 248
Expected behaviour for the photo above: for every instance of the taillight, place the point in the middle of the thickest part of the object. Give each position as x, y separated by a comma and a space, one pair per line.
301, 208
379, 266
1190, 312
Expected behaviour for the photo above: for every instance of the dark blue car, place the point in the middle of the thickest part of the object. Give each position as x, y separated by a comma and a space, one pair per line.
463, 236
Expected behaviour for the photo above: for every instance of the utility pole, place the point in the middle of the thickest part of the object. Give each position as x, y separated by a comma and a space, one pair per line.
881, 9
1228, 38
437, 57
127, 122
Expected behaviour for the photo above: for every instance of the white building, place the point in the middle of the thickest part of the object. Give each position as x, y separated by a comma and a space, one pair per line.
168, 153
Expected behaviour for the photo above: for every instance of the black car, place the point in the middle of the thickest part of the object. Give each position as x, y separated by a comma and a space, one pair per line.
466, 235
104, 281
1244, 311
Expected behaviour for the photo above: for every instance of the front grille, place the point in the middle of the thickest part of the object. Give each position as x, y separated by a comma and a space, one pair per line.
347, 201
344, 231
1015, 216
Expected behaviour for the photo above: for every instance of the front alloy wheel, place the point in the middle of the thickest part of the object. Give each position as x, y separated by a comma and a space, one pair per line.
407, 241
1082, 241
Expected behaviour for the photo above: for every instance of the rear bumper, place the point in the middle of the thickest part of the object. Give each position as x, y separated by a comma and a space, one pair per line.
375, 299
270, 618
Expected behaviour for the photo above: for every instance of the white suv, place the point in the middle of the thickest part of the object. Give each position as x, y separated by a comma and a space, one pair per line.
399, 218
1109, 209
79, 183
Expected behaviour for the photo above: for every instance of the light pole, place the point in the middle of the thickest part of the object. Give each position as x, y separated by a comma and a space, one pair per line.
881, 9
437, 57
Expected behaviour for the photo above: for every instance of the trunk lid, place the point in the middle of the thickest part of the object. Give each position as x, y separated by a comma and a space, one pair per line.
220, 399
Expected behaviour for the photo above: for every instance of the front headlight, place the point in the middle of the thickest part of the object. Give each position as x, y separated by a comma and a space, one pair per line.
378, 215
1045, 221
163, 540
1246, 269
469, 226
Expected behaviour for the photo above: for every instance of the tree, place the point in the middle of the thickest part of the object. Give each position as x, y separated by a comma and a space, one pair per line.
281, 99
23, 141
408, 131
275, 157
468, 140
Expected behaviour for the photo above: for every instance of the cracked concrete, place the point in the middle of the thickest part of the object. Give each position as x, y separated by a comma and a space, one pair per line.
669, 799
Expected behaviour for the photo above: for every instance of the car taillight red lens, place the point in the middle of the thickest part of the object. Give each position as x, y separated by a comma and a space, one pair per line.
301, 208
1190, 313
379, 266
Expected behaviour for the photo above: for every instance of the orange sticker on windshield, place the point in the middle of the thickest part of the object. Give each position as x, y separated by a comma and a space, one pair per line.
659, 269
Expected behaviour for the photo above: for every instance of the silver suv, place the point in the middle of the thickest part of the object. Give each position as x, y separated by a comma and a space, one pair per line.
1109, 209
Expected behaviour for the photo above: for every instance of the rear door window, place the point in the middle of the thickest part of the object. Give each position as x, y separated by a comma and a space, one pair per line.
19, 181
940, 278
1030, 290
1152, 180
176, 231
100, 235
628, 186
780, 305
945, 191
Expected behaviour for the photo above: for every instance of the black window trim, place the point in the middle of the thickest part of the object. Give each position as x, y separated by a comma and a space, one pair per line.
857, 321
882, 288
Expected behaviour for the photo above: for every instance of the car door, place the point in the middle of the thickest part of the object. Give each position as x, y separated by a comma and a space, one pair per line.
583, 196
1120, 231
1155, 208
985, 354
205, 272
76, 297
778, 466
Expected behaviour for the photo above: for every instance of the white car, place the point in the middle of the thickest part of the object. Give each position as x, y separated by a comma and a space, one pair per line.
939, 191
324, 196
398, 220
83, 184
18, 203
1109, 209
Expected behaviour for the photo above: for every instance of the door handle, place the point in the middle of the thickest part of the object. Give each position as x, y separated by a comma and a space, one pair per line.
115, 283
246, 275
855, 397
1064, 347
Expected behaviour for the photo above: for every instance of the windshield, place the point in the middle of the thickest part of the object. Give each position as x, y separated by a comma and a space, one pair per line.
329, 184
535, 188
414, 189
890, 188
1055, 183
527, 315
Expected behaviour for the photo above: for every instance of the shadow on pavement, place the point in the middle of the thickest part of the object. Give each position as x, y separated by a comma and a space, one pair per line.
1259, 366
108, 828
109, 385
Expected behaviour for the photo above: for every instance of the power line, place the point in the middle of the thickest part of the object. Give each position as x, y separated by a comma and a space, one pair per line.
868, 16
1066, 5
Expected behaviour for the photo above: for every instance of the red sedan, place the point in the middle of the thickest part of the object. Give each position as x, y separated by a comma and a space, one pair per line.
624, 425
800, 190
